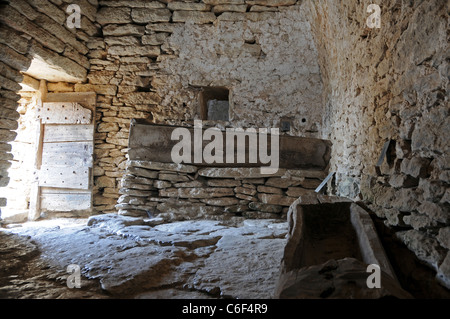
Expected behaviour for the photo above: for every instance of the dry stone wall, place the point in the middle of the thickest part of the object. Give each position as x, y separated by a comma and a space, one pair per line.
150, 59
154, 58
391, 84
21, 172
174, 192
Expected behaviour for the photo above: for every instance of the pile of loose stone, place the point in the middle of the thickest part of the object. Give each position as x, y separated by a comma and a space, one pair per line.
181, 192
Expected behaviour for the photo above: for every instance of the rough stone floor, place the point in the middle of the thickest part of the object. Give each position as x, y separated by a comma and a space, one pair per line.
126, 257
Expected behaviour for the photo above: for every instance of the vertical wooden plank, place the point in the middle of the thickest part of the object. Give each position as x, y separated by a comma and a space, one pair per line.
35, 196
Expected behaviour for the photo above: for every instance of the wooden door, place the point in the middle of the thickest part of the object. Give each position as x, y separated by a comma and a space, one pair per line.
65, 155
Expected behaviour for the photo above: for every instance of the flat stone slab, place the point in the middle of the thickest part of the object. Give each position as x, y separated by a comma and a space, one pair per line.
135, 257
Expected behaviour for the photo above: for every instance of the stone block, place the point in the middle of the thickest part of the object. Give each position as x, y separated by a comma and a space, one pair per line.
443, 274
148, 50
140, 98
222, 202
415, 167
146, 15
197, 17
274, 199
105, 181
174, 178
444, 237
117, 30
189, 169
199, 193
223, 183
107, 15
426, 248
271, 3
142, 172
266, 208
183, 6
270, 190
297, 191
238, 173
281, 182
229, 8
245, 190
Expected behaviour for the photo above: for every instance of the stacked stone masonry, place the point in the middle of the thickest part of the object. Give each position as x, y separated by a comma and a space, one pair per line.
150, 60
175, 192
153, 59
391, 84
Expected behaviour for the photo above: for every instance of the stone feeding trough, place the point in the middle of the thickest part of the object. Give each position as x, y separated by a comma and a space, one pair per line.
331, 243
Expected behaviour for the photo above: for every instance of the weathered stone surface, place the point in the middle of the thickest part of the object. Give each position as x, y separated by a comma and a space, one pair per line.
136, 193
265, 207
444, 237
229, 8
13, 59
155, 39
142, 172
145, 15
224, 201
123, 30
196, 192
148, 50
218, 2
426, 248
281, 182
238, 173
162, 184
395, 218
444, 272
270, 190
53, 67
163, 166
183, 6
223, 183
119, 15
273, 3
245, 190
174, 178
104, 89
191, 184
180, 210
198, 17
435, 212
297, 191
415, 167
336, 279
274, 199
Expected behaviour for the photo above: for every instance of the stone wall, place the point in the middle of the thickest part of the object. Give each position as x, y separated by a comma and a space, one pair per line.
21, 172
391, 84
175, 192
151, 59
154, 58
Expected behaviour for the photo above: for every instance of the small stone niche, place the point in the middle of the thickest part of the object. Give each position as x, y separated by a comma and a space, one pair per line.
215, 104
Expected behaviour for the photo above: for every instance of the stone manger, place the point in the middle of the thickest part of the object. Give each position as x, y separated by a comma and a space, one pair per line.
154, 185
331, 241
